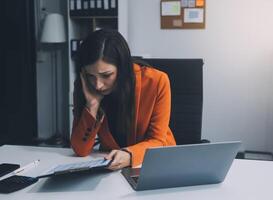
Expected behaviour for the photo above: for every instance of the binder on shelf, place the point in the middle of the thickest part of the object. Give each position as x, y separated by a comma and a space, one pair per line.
110, 7
75, 45
72, 7
99, 8
113, 7
77, 8
106, 8
85, 8
73, 48
92, 8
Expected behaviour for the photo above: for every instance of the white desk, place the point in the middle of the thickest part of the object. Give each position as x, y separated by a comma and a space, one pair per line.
246, 180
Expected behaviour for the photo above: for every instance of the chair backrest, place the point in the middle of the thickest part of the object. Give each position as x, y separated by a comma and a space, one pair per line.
186, 78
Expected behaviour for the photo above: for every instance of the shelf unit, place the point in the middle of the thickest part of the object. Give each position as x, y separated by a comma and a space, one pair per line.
80, 25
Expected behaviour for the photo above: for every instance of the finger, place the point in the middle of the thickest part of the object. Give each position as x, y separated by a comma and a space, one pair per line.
83, 81
84, 86
88, 88
115, 167
115, 164
111, 155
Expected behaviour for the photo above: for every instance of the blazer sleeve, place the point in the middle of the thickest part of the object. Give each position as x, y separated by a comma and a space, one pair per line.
84, 132
159, 123
84, 129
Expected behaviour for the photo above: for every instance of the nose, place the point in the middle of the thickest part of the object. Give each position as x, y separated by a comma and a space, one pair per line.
99, 84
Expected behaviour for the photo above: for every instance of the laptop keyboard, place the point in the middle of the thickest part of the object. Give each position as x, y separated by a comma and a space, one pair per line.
135, 178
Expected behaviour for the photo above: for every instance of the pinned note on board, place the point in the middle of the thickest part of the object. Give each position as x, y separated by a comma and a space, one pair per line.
171, 8
200, 3
193, 15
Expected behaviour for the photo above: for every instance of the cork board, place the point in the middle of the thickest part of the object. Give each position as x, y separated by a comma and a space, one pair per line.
182, 14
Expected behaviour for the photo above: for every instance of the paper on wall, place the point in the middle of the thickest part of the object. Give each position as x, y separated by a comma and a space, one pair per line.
171, 8
193, 15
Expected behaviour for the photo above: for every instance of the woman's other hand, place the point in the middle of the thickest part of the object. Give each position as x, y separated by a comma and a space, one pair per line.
120, 159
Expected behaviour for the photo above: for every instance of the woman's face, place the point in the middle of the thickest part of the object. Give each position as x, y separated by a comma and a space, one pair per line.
102, 76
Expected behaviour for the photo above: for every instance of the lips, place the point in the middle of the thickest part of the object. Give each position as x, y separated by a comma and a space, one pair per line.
104, 92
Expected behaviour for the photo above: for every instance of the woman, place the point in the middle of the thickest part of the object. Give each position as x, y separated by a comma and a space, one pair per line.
127, 105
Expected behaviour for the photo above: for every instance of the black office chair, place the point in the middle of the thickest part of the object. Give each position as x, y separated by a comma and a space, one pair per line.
186, 79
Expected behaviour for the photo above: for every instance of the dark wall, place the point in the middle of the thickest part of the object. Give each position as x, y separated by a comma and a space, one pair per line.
18, 76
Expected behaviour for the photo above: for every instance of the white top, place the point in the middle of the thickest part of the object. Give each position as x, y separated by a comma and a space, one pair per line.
247, 179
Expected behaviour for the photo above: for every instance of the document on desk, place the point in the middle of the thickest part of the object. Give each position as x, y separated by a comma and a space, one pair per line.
99, 163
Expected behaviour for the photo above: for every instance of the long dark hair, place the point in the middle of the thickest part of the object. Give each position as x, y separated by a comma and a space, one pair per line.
112, 48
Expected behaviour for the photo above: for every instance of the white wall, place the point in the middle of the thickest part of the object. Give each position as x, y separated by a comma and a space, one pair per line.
237, 48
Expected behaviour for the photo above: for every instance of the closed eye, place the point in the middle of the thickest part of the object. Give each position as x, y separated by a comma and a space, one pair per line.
105, 76
90, 76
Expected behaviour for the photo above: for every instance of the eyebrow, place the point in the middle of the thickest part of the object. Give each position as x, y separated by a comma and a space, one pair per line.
101, 73
106, 72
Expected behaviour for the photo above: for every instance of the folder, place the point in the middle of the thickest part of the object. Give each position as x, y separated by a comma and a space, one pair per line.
78, 7
75, 45
106, 8
110, 7
72, 8
92, 8
85, 8
114, 7
99, 7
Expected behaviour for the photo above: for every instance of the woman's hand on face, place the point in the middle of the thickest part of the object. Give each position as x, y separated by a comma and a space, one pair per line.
93, 98
120, 159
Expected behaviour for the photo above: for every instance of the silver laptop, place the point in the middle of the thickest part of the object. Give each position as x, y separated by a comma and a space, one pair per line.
183, 165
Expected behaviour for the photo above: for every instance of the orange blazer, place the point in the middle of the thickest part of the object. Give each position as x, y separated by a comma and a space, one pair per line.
153, 104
